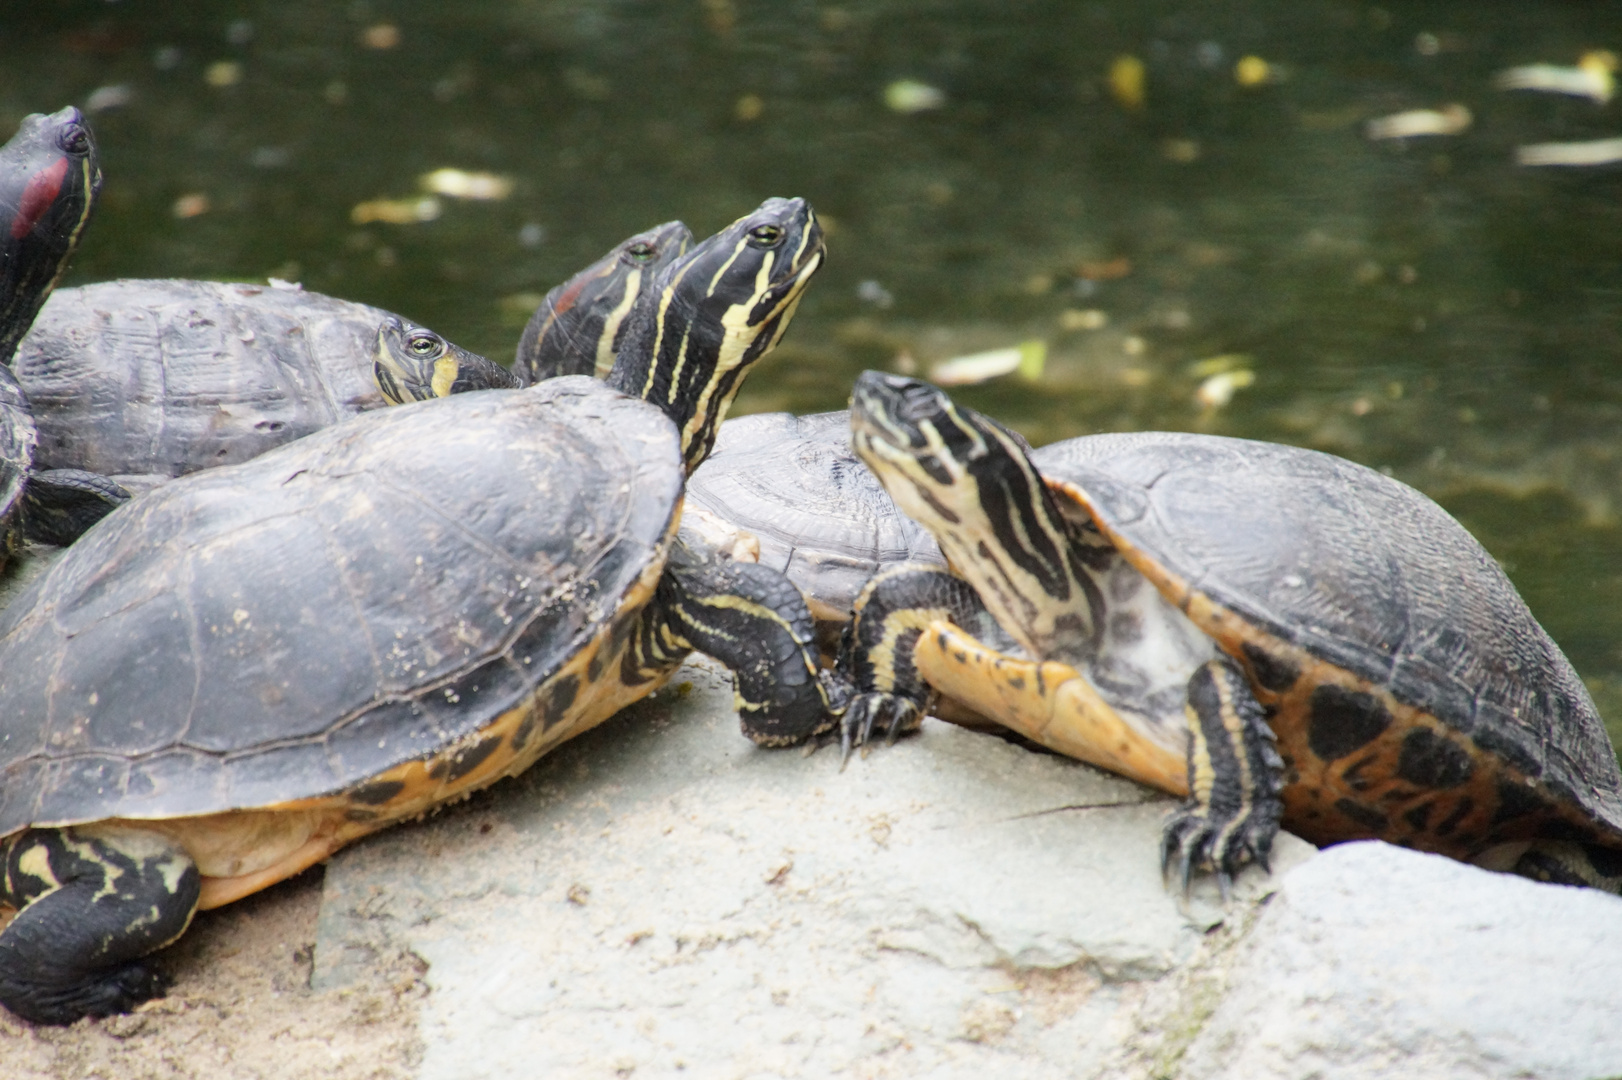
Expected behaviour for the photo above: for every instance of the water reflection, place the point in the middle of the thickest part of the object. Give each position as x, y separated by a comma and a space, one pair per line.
1423, 305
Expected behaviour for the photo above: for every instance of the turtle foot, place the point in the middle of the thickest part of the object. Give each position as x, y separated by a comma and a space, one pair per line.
895, 713
103, 993
1195, 838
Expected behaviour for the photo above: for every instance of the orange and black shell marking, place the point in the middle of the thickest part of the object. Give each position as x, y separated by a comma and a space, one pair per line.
266, 661
1414, 697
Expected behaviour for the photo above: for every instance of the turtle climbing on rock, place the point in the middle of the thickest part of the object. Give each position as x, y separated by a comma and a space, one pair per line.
1273, 632
240, 671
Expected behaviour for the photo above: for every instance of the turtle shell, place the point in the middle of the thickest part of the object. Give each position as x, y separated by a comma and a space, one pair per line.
17, 438
363, 598
1321, 571
820, 515
144, 380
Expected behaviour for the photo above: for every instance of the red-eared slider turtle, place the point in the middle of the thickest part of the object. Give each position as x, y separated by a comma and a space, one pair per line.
578, 328
1168, 605
238, 672
49, 178
412, 363
146, 380
818, 514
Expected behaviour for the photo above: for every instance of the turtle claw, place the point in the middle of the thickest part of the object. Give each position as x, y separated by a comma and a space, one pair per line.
894, 713
1193, 839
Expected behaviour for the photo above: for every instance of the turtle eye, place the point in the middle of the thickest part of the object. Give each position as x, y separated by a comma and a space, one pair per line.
74, 139
423, 343
766, 235
642, 251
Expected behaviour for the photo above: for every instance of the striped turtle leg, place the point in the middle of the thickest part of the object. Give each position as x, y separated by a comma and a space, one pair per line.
876, 657
1235, 776
91, 902
755, 621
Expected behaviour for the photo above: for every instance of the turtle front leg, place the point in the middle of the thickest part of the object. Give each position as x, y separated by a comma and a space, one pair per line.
876, 656
91, 902
1235, 776
755, 621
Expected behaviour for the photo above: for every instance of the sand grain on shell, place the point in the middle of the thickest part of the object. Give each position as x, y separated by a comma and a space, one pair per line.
240, 1007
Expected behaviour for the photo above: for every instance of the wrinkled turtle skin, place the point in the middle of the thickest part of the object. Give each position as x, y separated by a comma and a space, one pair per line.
146, 380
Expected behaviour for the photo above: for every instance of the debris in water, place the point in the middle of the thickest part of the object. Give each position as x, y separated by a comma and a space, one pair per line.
1027, 358
1594, 77
1448, 120
912, 96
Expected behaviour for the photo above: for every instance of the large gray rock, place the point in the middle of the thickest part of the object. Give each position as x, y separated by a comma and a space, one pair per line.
661, 896
1373, 961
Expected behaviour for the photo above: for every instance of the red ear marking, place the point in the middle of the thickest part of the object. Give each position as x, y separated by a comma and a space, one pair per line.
42, 190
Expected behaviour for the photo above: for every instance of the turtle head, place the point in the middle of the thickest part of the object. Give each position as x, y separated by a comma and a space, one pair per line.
970, 482
714, 312
578, 328
49, 178
929, 454
412, 363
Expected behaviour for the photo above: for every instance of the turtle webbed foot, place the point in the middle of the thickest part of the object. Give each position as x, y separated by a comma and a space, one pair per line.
895, 713
106, 992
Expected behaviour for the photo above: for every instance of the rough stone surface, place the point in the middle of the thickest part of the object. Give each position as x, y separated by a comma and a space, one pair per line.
661, 897
1373, 961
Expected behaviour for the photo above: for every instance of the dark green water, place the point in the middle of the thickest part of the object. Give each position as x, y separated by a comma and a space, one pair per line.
1428, 307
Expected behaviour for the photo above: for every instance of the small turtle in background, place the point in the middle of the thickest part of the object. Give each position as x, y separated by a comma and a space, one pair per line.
1271, 631
241, 671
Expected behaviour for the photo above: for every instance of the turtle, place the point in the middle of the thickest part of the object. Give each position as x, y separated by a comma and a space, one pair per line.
237, 672
578, 327
1273, 632
143, 380
576, 330
49, 179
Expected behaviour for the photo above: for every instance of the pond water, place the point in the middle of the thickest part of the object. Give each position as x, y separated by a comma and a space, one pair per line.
1162, 193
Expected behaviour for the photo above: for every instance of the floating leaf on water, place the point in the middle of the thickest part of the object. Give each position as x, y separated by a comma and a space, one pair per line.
912, 96
1104, 269
1448, 120
459, 184
1253, 71
223, 73
1127, 82
748, 108
190, 206
380, 36
1594, 77
1218, 390
1591, 152
1028, 358
1083, 319
1216, 365
114, 96
396, 211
